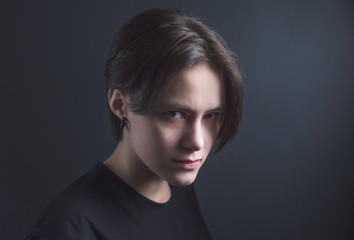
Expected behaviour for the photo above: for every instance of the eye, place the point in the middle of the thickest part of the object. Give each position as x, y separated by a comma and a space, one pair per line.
175, 114
211, 115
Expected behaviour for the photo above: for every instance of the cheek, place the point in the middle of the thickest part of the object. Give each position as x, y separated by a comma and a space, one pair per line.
209, 140
210, 135
152, 139
140, 136
167, 138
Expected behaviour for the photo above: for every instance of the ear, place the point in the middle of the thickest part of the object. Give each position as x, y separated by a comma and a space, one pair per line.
117, 102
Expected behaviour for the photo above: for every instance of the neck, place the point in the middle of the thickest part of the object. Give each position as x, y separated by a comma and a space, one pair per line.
136, 174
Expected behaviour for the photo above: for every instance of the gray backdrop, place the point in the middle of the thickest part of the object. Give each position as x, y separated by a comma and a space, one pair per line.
287, 175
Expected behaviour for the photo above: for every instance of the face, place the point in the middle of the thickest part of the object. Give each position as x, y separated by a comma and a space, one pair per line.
174, 140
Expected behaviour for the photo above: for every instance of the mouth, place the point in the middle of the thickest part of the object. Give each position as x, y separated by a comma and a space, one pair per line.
188, 164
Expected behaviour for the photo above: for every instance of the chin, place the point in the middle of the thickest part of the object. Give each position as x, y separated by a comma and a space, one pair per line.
183, 179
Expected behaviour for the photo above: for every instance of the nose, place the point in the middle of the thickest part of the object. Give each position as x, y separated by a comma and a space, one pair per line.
193, 137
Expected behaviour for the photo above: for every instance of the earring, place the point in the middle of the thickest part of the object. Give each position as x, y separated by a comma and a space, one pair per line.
122, 123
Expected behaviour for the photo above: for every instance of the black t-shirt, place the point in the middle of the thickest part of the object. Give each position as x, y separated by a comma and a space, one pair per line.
99, 205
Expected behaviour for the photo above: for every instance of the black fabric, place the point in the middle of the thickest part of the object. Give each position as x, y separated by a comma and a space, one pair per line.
100, 205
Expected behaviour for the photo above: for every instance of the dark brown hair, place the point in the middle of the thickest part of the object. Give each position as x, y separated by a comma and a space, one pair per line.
154, 46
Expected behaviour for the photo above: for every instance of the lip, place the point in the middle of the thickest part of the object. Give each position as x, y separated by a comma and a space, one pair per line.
188, 164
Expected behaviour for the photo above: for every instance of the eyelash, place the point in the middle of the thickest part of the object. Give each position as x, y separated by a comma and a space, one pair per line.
172, 114
214, 115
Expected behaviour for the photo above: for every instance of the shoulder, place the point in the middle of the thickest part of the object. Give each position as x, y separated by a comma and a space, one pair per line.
69, 214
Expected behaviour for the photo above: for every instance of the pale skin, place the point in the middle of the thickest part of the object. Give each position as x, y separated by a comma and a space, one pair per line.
171, 143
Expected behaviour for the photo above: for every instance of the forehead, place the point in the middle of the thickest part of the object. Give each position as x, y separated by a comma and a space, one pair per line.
198, 87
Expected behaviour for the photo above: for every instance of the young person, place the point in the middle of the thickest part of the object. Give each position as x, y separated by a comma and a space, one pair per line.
175, 93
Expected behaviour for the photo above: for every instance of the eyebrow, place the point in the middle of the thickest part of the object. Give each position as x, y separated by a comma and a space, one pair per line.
186, 108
